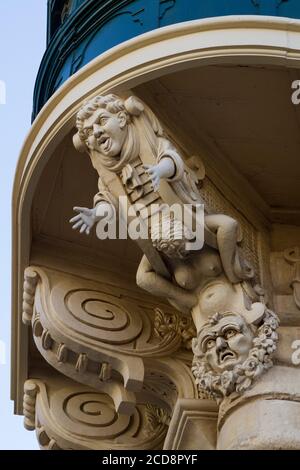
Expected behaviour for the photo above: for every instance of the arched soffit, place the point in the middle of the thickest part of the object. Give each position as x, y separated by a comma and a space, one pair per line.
227, 40
232, 39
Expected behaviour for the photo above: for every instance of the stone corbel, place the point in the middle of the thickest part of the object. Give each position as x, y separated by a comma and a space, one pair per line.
70, 416
95, 336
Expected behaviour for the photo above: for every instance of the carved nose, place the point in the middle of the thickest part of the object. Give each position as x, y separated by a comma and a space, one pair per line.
97, 130
220, 344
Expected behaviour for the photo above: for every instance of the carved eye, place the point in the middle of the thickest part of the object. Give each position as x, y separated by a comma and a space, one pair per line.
88, 132
229, 333
103, 120
210, 343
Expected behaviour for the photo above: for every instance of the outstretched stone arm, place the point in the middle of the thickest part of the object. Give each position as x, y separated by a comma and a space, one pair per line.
165, 168
87, 218
104, 205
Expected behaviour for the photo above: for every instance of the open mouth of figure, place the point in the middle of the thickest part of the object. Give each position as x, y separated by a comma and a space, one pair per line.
105, 143
226, 355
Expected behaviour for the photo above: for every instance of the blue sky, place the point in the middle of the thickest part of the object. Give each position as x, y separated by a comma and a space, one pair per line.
22, 44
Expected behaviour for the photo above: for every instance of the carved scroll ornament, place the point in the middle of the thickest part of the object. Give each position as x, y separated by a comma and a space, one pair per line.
70, 416
99, 338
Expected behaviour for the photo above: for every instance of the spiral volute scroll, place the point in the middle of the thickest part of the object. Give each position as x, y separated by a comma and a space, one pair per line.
91, 413
101, 339
100, 316
67, 415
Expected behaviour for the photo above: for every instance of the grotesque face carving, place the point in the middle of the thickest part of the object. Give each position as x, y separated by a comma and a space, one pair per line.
231, 351
227, 343
106, 132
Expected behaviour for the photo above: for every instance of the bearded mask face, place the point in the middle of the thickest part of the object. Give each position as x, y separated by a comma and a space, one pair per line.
227, 343
232, 351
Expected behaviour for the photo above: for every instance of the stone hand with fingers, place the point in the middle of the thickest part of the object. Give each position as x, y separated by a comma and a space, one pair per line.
84, 220
164, 169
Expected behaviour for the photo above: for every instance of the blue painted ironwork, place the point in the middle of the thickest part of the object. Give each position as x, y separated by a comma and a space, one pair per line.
80, 30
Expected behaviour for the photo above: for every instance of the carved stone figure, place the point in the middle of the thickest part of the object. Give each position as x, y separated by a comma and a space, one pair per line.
135, 158
124, 138
231, 351
190, 275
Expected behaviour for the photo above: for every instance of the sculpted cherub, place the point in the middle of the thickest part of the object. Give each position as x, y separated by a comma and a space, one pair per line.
232, 350
119, 134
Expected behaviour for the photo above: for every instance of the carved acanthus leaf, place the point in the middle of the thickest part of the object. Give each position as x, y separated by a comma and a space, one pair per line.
174, 325
156, 418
